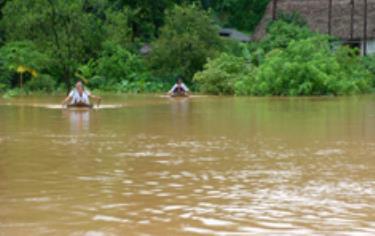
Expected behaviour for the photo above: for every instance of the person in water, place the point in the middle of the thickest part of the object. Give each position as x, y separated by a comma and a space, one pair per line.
179, 89
80, 97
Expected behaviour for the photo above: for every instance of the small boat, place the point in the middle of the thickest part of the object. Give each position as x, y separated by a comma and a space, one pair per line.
179, 95
80, 106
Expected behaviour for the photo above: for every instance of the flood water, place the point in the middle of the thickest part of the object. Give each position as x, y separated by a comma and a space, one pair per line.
198, 166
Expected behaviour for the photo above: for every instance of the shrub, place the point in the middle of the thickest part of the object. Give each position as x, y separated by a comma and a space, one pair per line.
305, 67
13, 93
114, 66
5, 77
140, 86
369, 63
309, 67
221, 74
243, 86
42, 82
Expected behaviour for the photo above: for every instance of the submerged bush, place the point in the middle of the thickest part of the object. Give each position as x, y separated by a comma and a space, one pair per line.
309, 67
140, 86
221, 74
369, 63
305, 67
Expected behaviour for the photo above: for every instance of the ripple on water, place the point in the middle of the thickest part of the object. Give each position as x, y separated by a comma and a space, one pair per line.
95, 178
94, 233
329, 152
115, 205
143, 154
110, 219
214, 222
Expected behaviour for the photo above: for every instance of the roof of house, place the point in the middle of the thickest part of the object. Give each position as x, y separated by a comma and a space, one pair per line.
234, 34
315, 12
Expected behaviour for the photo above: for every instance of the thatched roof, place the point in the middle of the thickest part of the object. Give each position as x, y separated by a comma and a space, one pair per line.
315, 12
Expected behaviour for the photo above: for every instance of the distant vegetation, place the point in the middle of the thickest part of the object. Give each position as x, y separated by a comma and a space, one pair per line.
46, 45
290, 61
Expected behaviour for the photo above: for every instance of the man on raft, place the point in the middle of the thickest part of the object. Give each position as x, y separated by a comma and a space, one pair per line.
80, 97
179, 89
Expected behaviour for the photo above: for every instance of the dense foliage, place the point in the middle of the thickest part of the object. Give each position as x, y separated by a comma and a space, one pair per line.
144, 45
290, 61
188, 38
307, 67
221, 74
21, 58
73, 35
369, 62
60, 28
280, 33
117, 69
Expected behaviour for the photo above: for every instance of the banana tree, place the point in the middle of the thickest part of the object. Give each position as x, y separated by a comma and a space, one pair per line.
21, 69
21, 58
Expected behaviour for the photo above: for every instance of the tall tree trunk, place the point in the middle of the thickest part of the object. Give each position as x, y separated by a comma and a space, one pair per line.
21, 80
329, 17
274, 9
365, 29
351, 19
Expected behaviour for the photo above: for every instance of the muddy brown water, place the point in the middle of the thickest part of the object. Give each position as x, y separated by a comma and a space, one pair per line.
147, 165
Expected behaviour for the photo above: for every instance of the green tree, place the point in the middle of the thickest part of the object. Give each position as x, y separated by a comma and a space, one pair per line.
147, 16
188, 38
280, 33
2, 33
116, 26
61, 28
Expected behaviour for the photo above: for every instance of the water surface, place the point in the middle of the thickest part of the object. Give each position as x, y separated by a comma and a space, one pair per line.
199, 166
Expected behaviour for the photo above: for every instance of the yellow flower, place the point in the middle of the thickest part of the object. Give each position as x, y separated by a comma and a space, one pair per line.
21, 69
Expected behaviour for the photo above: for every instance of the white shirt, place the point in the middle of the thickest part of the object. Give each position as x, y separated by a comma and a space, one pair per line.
182, 85
77, 98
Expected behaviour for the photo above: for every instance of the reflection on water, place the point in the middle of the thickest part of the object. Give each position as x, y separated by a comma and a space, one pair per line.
79, 119
179, 114
179, 106
207, 166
